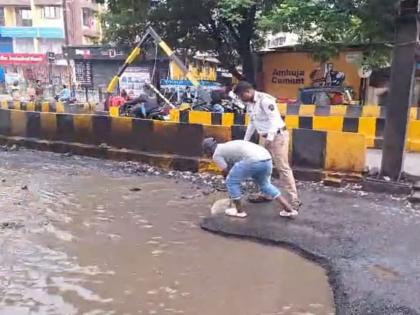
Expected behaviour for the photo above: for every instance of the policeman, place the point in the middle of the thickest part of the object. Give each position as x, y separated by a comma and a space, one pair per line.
267, 122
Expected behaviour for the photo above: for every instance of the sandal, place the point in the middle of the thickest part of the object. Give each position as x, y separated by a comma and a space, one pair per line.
286, 214
233, 212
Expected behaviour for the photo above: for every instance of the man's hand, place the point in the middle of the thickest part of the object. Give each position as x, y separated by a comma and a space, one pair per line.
268, 144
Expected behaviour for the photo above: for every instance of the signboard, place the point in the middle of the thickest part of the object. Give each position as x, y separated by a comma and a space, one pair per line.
21, 59
31, 32
187, 83
133, 80
365, 71
288, 76
83, 71
51, 56
102, 53
354, 57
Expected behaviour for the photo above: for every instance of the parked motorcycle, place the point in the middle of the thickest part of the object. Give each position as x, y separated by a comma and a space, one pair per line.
70, 101
143, 111
218, 104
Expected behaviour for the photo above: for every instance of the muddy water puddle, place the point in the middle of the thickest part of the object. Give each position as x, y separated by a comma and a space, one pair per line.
82, 241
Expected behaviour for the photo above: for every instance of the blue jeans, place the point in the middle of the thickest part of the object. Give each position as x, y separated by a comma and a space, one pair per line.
259, 172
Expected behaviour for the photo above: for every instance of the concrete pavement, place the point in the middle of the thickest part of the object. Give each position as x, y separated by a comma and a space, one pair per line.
368, 243
411, 164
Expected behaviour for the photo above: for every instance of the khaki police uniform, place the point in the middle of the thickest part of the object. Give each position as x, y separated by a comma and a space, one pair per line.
267, 121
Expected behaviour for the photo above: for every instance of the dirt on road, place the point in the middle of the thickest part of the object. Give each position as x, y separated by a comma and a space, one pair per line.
80, 236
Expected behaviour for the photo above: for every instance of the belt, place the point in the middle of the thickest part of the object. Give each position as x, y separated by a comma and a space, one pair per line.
279, 131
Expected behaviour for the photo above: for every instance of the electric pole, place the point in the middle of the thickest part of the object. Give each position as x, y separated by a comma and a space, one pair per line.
66, 41
401, 88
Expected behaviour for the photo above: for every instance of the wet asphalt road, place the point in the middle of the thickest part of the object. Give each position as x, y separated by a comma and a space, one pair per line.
81, 236
370, 244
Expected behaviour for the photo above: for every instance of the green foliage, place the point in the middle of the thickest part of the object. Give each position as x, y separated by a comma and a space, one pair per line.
232, 29
327, 25
229, 28
124, 20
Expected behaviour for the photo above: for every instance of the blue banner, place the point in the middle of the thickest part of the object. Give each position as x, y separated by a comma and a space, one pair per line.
188, 83
2, 76
32, 32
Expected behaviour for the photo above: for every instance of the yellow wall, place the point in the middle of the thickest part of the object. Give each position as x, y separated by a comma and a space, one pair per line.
9, 16
208, 73
301, 65
37, 19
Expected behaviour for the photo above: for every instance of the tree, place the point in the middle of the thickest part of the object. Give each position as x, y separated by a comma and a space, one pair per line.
233, 29
124, 20
229, 28
327, 25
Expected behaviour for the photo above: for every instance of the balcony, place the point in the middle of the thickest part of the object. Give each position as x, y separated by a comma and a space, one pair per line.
48, 2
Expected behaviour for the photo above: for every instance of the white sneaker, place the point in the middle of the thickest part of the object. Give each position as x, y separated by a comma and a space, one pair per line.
233, 212
291, 214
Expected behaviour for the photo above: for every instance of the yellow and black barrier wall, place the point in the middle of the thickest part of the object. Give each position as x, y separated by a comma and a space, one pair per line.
370, 127
180, 143
51, 107
348, 111
351, 111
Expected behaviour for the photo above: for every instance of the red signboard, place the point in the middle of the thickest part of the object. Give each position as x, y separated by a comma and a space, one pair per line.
22, 59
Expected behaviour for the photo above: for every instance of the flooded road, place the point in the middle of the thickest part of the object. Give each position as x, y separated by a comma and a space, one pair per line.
79, 237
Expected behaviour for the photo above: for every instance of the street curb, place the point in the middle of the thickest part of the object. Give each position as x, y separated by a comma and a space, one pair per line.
175, 162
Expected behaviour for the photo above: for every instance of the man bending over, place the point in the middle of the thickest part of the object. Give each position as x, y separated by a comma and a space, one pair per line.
240, 160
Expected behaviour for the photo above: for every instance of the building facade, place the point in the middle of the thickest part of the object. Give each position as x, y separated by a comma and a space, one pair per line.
33, 30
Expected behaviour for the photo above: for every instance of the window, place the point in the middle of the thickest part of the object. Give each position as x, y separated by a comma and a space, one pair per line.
2, 20
51, 12
277, 42
23, 17
24, 45
87, 17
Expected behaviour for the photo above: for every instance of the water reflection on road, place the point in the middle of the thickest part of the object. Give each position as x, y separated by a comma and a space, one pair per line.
75, 240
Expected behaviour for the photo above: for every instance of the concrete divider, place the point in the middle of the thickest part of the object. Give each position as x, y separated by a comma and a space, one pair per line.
372, 128
354, 111
49, 107
331, 151
414, 136
167, 144
349, 111
297, 111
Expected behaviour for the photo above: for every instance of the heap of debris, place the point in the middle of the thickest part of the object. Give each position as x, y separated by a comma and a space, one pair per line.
206, 182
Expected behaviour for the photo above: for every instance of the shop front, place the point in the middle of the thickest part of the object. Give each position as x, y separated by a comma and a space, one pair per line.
22, 69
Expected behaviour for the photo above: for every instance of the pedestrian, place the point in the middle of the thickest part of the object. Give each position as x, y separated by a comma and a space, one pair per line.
240, 160
15, 91
39, 91
265, 119
31, 93
64, 95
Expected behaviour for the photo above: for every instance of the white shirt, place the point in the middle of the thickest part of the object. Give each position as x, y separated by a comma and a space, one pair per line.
265, 116
229, 153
